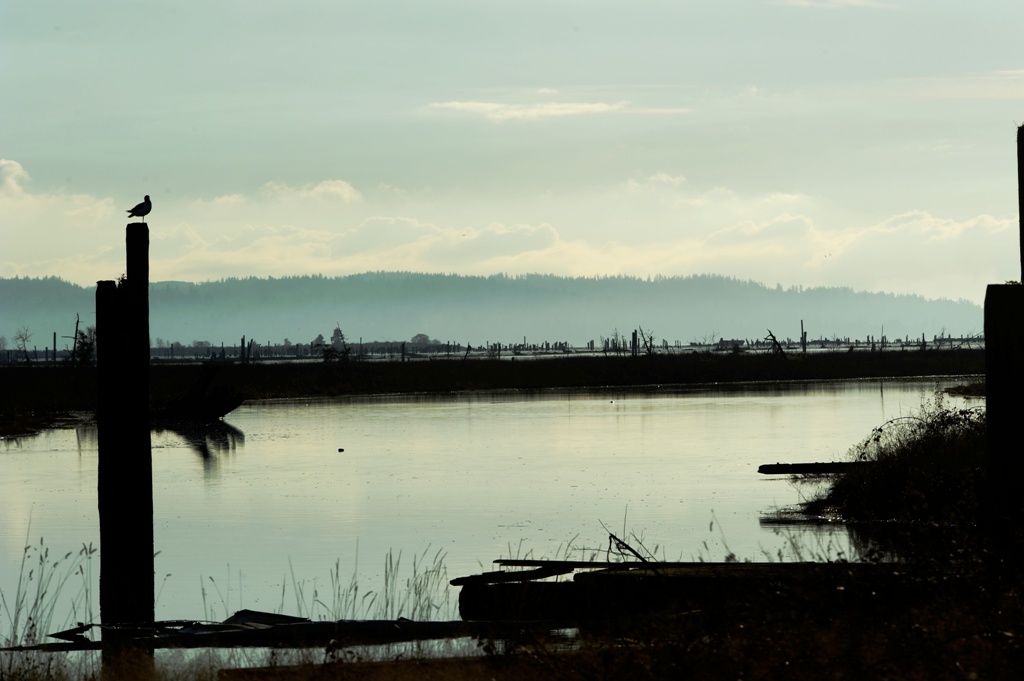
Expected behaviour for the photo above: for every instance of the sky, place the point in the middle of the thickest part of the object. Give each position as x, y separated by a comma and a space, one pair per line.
860, 143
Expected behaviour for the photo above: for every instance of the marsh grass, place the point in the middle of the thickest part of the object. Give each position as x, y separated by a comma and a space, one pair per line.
421, 594
417, 591
43, 581
47, 587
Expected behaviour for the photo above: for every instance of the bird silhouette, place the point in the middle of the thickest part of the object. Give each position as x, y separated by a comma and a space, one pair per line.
141, 210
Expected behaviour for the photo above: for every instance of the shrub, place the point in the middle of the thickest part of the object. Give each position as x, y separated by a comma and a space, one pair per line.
926, 468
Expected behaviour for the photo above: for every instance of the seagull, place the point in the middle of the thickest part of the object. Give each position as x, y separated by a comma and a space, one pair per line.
141, 210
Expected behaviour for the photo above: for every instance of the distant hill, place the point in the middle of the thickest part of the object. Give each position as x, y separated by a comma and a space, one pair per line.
498, 308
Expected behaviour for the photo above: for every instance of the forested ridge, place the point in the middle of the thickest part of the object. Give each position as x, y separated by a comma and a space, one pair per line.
496, 308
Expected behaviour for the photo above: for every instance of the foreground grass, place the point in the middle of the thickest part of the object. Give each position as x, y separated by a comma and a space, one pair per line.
54, 593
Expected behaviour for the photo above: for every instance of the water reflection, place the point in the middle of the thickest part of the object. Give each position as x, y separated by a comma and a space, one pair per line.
87, 437
206, 438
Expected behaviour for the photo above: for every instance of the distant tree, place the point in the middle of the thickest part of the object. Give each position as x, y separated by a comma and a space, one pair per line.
83, 349
338, 340
3, 343
421, 339
21, 340
338, 350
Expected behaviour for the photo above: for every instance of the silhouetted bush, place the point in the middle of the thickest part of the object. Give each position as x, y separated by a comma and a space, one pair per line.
926, 468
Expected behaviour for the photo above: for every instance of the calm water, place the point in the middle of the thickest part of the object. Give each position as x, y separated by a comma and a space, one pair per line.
477, 477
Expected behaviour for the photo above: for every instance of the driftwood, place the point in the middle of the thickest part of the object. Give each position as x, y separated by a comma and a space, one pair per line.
626, 592
253, 629
501, 576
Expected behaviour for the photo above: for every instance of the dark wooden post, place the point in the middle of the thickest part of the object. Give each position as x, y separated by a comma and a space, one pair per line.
1020, 195
125, 475
1004, 375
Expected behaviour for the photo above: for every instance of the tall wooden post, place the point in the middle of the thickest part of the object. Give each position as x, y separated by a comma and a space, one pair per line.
125, 476
1004, 376
1020, 195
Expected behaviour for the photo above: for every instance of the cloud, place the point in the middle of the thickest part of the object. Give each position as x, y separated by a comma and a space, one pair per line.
958, 258
329, 189
708, 206
834, 4
229, 200
500, 113
279, 192
326, 204
379, 243
663, 178
658, 222
42, 231
187, 254
1004, 85
12, 176
528, 112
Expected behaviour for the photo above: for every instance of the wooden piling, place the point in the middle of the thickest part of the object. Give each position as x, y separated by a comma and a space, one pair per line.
1004, 373
1004, 376
1020, 194
125, 469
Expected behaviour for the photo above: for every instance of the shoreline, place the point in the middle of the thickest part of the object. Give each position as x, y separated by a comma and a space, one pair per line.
39, 396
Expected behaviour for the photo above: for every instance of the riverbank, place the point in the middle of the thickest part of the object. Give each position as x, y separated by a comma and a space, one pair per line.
39, 396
